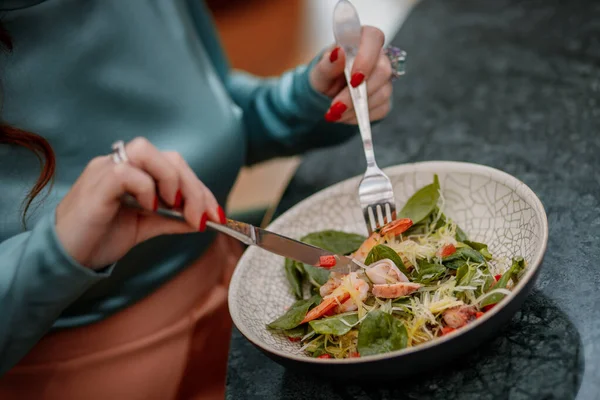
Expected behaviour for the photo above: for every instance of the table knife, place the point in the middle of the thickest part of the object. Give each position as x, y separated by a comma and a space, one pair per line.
266, 240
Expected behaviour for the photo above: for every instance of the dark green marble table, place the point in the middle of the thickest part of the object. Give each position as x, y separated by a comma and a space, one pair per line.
514, 85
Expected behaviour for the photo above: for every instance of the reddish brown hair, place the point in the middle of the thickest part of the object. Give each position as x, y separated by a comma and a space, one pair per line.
35, 143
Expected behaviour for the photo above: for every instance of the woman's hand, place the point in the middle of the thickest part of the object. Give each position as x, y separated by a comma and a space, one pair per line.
96, 230
370, 64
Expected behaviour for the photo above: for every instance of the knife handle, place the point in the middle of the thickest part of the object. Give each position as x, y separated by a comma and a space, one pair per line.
243, 232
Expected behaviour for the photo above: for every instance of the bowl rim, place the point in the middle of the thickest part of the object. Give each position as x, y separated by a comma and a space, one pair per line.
423, 166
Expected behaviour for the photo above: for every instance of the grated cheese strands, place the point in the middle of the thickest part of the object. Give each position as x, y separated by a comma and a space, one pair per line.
354, 294
499, 266
413, 250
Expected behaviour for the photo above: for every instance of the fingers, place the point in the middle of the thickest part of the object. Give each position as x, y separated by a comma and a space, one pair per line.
381, 75
125, 178
176, 182
342, 110
149, 170
327, 76
375, 114
381, 97
378, 85
200, 204
371, 43
144, 155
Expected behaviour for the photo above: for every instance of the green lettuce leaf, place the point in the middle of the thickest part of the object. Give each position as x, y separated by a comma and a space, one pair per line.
480, 247
294, 276
380, 333
428, 272
335, 241
381, 252
464, 254
518, 264
294, 316
422, 203
337, 325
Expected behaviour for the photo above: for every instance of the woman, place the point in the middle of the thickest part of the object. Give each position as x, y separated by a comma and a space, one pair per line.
96, 300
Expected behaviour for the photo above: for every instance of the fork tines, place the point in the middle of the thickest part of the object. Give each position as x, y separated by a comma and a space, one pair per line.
379, 214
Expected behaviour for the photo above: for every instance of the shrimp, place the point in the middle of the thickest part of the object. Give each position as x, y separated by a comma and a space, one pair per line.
457, 317
364, 249
359, 285
326, 305
385, 271
395, 290
392, 229
335, 280
338, 296
396, 227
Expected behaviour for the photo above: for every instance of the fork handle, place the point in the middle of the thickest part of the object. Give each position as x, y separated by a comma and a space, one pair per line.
361, 108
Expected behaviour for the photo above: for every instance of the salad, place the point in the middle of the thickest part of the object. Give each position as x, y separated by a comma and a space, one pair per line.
422, 279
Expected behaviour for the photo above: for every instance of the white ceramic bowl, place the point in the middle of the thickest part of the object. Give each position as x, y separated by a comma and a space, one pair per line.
489, 205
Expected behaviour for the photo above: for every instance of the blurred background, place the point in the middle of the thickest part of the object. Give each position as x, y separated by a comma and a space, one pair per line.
267, 37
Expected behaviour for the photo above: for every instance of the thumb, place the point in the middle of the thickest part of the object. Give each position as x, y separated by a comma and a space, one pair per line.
327, 75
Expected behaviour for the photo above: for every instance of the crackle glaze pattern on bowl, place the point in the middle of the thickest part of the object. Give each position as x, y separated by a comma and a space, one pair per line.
489, 205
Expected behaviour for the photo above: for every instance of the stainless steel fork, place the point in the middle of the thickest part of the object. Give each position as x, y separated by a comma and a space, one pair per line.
375, 192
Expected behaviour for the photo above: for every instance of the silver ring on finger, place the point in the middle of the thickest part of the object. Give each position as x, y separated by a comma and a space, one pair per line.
119, 155
397, 58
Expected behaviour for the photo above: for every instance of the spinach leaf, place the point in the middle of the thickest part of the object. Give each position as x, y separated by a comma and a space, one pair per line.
337, 325
464, 253
518, 264
441, 220
428, 273
335, 241
460, 235
418, 229
455, 264
381, 333
465, 273
422, 203
316, 276
381, 252
294, 277
296, 333
489, 282
480, 247
294, 316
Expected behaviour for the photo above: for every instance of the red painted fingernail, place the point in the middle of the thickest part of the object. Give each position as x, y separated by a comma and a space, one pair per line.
332, 117
178, 199
155, 205
222, 217
357, 79
334, 54
203, 220
338, 108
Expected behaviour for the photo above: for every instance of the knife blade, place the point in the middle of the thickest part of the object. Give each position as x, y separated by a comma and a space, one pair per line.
285, 246
266, 240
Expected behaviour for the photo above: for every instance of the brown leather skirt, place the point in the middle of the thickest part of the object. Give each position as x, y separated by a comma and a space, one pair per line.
171, 345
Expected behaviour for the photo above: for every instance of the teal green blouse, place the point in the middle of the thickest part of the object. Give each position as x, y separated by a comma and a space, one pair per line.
86, 73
